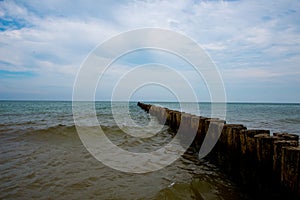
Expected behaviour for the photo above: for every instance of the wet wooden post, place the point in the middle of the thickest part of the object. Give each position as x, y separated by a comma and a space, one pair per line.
290, 169
186, 132
232, 136
200, 132
287, 136
230, 152
213, 131
253, 156
278, 148
285, 140
168, 117
177, 119
248, 141
162, 115
172, 122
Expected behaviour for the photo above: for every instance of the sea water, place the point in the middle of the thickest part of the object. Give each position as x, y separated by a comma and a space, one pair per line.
42, 156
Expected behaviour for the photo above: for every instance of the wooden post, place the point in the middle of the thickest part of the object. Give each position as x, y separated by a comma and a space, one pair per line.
253, 157
290, 169
278, 146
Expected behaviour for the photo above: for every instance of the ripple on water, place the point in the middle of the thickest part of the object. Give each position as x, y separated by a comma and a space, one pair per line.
54, 164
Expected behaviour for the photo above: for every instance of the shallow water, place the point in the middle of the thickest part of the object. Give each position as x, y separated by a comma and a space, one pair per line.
54, 164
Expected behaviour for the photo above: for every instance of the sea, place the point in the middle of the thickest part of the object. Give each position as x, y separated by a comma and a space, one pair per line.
42, 156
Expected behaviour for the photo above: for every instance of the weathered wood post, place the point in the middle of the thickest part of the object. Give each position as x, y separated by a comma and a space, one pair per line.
290, 169
253, 157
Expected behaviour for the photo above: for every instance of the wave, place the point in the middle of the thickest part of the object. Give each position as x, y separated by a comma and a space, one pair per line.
61, 129
67, 130
290, 120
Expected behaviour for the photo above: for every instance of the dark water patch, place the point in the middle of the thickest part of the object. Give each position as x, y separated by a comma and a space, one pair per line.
289, 120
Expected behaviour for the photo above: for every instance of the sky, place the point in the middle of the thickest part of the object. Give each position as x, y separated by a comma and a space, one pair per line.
254, 44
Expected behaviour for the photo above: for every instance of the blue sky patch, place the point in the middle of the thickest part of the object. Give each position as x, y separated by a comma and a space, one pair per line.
20, 74
11, 24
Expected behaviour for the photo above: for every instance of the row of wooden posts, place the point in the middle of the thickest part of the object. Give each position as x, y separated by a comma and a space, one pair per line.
268, 164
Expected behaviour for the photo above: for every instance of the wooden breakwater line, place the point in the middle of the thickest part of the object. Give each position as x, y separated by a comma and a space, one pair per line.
264, 164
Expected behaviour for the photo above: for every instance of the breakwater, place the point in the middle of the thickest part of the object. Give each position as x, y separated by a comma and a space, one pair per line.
264, 164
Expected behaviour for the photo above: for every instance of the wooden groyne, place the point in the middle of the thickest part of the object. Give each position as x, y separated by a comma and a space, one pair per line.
267, 166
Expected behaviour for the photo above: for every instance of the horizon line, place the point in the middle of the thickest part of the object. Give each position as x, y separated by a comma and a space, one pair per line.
152, 101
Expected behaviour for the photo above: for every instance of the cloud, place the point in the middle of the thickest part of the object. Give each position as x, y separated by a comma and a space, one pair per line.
246, 39
214, 46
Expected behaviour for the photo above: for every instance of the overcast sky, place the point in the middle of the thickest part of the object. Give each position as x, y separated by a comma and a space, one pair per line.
254, 44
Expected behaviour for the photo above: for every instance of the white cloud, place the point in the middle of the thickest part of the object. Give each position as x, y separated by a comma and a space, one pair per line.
214, 46
245, 38
12, 9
